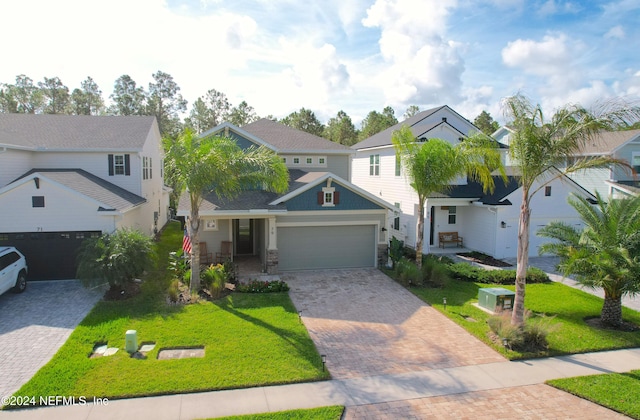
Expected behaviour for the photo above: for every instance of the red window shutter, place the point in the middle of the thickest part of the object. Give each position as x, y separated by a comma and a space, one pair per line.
336, 197
320, 197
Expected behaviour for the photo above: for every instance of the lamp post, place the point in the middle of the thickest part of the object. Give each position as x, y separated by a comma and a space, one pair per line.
323, 357
444, 302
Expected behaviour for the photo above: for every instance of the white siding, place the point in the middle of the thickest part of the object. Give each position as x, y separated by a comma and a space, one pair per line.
14, 163
64, 210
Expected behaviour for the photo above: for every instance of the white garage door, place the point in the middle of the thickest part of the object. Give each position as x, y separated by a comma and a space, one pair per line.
304, 248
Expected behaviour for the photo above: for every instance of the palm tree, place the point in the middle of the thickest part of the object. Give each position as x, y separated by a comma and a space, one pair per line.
605, 254
205, 165
539, 150
431, 167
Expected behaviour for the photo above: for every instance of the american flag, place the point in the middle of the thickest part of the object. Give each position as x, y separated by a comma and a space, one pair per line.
186, 242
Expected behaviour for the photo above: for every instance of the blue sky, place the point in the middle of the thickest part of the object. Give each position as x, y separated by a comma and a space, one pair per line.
351, 55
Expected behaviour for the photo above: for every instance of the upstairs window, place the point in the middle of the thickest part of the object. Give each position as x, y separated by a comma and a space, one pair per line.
119, 165
374, 165
547, 191
398, 166
635, 162
328, 197
37, 201
146, 168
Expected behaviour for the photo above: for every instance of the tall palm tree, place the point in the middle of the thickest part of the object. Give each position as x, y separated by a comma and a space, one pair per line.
217, 164
539, 148
432, 166
605, 254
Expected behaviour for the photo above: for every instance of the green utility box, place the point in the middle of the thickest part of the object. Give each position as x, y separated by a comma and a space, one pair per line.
131, 341
496, 299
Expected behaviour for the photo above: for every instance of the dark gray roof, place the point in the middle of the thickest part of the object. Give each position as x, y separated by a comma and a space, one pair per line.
285, 138
473, 190
254, 199
74, 132
110, 195
417, 125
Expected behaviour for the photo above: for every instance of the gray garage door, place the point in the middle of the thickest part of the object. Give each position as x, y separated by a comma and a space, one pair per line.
304, 248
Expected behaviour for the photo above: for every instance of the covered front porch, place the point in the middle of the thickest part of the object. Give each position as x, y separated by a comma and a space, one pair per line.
242, 240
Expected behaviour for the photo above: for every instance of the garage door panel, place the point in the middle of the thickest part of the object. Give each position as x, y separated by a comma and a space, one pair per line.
304, 248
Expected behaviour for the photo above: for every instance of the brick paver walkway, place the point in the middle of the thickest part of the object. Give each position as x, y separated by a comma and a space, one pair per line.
369, 325
34, 324
526, 402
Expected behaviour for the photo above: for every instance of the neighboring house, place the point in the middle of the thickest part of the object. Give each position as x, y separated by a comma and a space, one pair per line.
64, 178
321, 221
613, 181
486, 222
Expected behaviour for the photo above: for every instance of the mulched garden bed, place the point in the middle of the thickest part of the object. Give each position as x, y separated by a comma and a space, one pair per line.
481, 258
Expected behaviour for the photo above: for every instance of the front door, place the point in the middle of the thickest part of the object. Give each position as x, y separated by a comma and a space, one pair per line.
432, 224
244, 236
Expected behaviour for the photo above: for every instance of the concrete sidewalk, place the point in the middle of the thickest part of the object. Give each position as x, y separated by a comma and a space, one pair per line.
351, 392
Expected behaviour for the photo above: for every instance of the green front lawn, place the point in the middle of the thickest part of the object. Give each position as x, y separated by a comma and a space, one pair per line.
249, 340
617, 391
322, 413
562, 307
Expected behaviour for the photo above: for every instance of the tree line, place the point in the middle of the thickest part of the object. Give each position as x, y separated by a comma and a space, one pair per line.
163, 99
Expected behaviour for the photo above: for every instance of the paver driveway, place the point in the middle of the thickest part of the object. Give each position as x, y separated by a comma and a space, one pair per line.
34, 324
367, 325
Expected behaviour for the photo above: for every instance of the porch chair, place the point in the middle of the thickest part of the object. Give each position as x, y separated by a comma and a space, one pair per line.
205, 256
225, 252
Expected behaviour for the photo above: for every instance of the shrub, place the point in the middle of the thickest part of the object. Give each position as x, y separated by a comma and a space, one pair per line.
434, 272
178, 264
174, 290
256, 286
467, 272
531, 337
408, 273
213, 279
396, 250
116, 258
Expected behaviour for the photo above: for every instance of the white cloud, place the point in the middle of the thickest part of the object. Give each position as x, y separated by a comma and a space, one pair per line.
421, 65
548, 57
617, 32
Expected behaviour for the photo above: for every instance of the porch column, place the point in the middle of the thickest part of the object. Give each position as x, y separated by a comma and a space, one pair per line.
272, 246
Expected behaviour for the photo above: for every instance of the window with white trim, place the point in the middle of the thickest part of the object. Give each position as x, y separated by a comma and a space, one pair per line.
118, 164
322, 161
452, 215
146, 167
328, 197
296, 161
635, 162
309, 161
374, 165
398, 166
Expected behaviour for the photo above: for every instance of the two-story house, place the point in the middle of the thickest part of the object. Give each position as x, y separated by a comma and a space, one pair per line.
64, 178
321, 221
615, 181
486, 222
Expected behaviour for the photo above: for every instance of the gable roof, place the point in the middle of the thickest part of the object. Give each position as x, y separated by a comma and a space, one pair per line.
291, 140
45, 132
257, 201
281, 138
607, 142
110, 197
415, 123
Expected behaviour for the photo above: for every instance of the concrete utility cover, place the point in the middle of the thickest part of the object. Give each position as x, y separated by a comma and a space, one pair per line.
180, 353
145, 348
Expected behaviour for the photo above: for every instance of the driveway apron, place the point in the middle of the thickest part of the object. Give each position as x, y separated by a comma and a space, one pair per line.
367, 325
35, 324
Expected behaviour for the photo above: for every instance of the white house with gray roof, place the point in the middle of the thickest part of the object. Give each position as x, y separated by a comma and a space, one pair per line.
486, 222
66, 177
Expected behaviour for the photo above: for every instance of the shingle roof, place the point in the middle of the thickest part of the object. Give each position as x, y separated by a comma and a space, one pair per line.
74, 132
473, 189
285, 138
112, 196
606, 142
254, 199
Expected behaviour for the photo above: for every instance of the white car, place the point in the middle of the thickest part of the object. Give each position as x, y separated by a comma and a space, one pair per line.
13, 270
